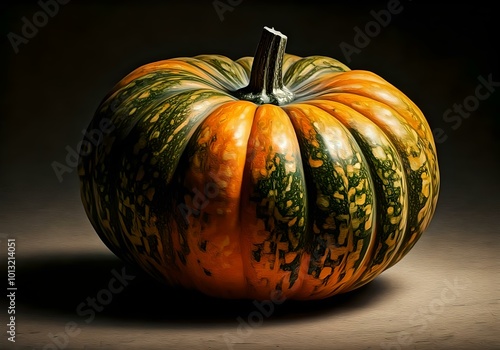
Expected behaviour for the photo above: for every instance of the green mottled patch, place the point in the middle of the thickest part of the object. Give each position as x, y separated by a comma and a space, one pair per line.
230, 75
152, 119
281, 204
341, 207
306, 68
390, 190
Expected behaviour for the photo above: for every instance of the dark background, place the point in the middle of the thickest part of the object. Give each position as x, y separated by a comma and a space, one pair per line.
52, 86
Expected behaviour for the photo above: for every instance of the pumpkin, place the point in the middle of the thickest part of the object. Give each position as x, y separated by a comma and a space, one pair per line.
274, 175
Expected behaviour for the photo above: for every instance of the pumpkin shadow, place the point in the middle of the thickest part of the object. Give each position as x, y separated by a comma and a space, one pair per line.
86, 287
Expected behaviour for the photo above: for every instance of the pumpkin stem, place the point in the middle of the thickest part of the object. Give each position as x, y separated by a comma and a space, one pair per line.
266, 78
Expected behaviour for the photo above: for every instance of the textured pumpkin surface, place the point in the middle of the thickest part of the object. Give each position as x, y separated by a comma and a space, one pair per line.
236, 199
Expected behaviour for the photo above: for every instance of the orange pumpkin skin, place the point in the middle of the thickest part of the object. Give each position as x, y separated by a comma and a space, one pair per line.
307, 199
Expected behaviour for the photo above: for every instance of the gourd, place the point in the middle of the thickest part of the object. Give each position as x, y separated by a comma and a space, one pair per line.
248, 178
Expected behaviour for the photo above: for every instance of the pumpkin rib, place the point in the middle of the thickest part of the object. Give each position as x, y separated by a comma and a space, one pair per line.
227, 73
160, 84
180, 237
203, 114
387, 169
343, 218
289, 60
370, 85
214, 160
351, 81
179, 64
273, 207
408, 143
246, 64
309, 69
